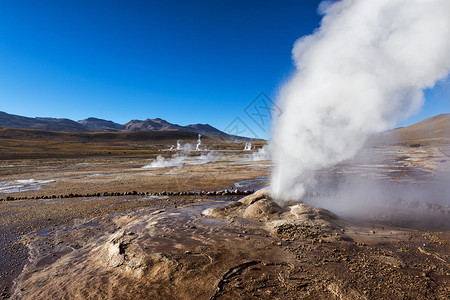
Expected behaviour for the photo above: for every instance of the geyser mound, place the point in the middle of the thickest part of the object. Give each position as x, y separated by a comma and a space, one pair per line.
261, 207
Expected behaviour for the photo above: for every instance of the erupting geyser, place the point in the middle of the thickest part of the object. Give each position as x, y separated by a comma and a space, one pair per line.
199, 143
179, 145
361, 72
248, 146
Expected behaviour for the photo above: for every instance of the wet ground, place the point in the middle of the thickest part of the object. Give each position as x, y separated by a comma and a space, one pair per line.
121, 247
42, 218
173, 253
124, 174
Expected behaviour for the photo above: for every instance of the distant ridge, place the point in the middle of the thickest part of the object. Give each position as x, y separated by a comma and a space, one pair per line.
205, 129
152, 125
92, 124
433, 129
14, 121
101, 125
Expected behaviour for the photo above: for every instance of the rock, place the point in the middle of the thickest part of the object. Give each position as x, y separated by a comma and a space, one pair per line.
306, 212
261, 194
223, 211
262, 210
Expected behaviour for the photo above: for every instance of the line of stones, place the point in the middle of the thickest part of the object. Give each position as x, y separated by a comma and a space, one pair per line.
136, 193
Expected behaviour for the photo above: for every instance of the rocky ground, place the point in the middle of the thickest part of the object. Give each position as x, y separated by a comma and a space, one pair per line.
213, 246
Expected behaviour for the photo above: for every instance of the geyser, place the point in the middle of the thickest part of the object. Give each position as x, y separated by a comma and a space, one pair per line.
199, 143
361, 72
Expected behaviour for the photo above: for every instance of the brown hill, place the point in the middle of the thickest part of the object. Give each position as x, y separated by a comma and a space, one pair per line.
39, 135
33, 143
432, 130
15, 121
206, 129
101, 125
152, 125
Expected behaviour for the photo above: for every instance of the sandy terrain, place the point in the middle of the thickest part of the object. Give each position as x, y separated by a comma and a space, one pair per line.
213, 246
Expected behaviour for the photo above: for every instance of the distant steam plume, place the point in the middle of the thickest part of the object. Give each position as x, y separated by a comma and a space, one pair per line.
199, 142
182, 159
361, 72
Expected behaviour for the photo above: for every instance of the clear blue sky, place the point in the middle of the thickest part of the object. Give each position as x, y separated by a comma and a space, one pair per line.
183, 61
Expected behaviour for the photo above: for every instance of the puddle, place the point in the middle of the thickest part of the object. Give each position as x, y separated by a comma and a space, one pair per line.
91, 175
16, 186
92, 199
249, 184
213, 221
92, 224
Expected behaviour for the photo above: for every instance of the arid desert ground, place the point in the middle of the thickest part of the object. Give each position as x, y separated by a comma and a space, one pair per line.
103, 227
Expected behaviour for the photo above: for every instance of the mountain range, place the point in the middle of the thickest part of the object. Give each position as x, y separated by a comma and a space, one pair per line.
100, 125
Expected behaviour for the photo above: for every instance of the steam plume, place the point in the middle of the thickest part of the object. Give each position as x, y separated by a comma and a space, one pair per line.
361, 72
181, 159
199, 143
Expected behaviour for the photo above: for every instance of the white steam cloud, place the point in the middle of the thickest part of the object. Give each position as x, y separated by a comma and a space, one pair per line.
179, 160
401, 204
260, 155
361, 72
